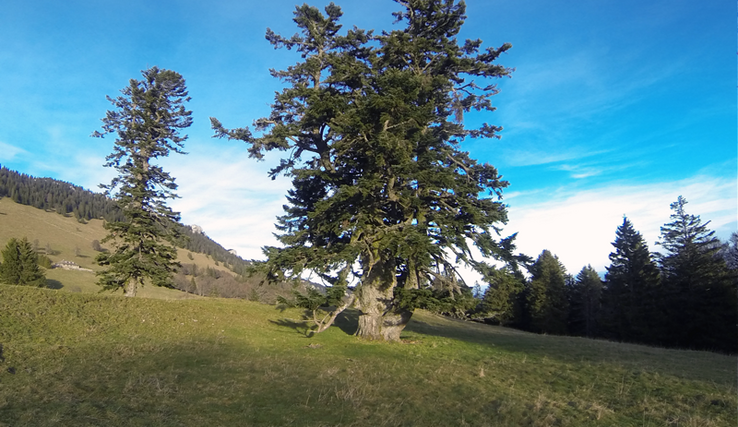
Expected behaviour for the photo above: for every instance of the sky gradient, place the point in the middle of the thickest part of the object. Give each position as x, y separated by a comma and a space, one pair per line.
614, 108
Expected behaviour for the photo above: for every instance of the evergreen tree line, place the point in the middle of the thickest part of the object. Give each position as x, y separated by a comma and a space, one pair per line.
682, 297
61, 197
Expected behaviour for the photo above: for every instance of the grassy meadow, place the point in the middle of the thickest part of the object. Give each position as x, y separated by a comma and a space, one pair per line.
105, 360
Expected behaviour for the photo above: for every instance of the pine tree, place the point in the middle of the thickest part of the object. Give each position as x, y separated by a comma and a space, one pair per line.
147, 120
20, 264
699, 291
547, 303
501, 303
585, 303
632, 289
382, 194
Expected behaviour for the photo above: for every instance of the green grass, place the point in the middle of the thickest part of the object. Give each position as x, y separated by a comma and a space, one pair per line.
91, 359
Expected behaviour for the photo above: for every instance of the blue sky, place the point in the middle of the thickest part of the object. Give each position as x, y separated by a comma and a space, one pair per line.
615, 107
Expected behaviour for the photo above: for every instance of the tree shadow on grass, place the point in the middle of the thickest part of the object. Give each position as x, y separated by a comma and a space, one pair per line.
53, 284
347, 321
487, 335
302, 327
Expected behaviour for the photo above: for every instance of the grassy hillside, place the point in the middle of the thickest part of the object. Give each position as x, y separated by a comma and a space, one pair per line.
71, 240
90, 359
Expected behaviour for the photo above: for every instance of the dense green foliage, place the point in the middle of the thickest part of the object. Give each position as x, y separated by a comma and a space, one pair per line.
20, 264
62, 197
548, 307
503, 301
585, 303
372, 126
729, 252
699, 292
632, 290
146, 121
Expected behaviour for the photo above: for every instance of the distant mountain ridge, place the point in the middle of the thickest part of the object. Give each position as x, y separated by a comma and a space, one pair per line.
71, 200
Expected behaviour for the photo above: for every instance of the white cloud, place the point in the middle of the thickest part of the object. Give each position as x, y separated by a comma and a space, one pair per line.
230, 196
8, 152
580, 227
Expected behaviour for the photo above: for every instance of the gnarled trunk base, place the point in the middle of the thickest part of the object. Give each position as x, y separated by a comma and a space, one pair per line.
387, 327
380, 319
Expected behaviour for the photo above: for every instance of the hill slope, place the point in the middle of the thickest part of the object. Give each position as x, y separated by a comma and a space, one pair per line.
65, 238
84, 359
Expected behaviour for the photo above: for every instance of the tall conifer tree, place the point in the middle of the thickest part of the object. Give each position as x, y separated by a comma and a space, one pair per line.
585, 303
547, 302
147, 121
631, 289
382, 194
699, 291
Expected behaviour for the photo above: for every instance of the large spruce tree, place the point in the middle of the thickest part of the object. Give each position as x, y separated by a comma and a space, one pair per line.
699, 296
631, 289
546, 297
502, 303
383, 197
20, 264
147, 120
585, 303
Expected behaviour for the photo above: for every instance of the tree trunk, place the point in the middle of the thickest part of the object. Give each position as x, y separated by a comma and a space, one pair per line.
131, 287
383, 327
379, 318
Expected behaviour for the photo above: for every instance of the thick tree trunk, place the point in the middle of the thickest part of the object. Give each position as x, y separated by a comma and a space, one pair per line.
383, 327
379, 318
131, 287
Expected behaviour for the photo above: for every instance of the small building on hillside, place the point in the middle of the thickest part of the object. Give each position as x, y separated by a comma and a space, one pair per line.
69, 265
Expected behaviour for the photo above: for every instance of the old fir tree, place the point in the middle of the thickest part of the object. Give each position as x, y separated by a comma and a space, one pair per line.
699, 299
384, 199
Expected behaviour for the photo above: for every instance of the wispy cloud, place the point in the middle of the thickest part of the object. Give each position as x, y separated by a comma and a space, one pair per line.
596, 167
516, 157
8, 151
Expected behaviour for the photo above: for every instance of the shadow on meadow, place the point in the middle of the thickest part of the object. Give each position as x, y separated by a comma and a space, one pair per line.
347, 321
302, 327
53, 284
696, 365
164, 384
